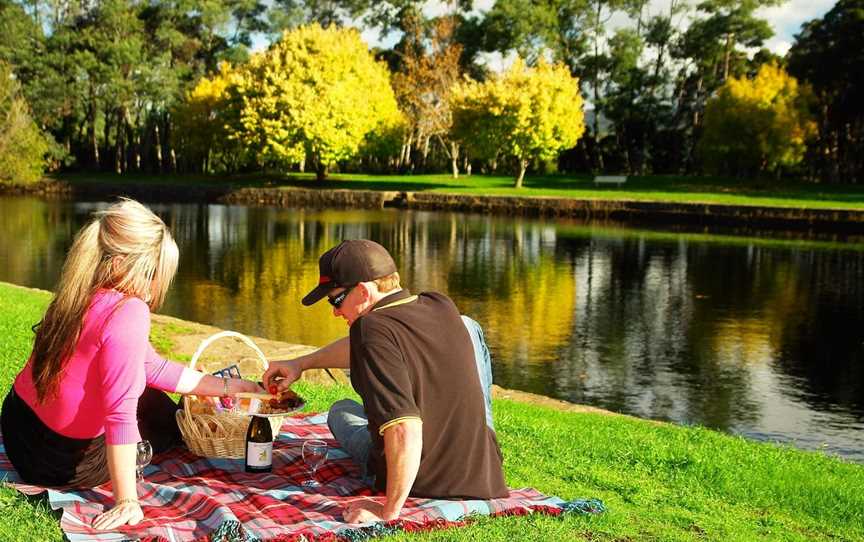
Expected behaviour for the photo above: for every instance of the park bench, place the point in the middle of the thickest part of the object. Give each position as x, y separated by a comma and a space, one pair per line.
610, 179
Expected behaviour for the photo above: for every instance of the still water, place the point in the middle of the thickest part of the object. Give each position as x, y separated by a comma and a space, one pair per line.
755, 336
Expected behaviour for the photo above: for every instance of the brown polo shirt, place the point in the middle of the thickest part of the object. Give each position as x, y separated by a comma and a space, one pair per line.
411, 356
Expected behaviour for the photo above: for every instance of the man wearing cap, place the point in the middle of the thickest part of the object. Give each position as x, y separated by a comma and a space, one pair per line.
424, 428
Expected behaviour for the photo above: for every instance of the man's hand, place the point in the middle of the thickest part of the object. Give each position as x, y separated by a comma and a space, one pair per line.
128, 513
281, 374
364, 512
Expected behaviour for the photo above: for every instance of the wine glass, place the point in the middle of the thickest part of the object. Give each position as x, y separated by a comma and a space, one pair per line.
314, 454
143, 455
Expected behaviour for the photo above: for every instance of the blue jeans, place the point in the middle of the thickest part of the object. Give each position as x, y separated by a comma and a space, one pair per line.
483, 359
348, 422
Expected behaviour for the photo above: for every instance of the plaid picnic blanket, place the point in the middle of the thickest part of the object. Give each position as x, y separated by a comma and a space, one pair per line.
189, 498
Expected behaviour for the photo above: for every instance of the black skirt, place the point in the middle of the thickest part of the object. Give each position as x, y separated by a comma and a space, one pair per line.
43, 457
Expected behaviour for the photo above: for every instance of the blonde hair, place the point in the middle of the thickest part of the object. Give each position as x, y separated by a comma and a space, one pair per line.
388, 283
125, 247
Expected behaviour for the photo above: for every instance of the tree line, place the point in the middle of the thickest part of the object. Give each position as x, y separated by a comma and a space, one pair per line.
171, 86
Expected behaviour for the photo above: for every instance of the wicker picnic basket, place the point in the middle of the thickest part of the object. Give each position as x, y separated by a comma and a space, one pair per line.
212, 433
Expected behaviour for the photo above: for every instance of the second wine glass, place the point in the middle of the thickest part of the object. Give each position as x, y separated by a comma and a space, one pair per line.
143, 455
314, 454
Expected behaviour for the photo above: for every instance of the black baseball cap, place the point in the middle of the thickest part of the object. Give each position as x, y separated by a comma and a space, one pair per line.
351, 262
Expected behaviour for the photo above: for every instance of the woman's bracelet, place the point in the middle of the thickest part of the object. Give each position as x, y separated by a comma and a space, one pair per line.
121, 502
225, 390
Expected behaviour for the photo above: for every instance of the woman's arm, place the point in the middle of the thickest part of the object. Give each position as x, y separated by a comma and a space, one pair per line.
173, 377
126, 510
198, 383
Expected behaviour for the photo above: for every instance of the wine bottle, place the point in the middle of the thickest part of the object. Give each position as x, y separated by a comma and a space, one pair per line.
259, 445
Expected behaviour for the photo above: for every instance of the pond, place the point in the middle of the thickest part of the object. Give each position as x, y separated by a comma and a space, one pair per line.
757, 336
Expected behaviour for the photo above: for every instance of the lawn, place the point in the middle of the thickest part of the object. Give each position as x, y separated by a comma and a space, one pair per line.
659, 481
678, 189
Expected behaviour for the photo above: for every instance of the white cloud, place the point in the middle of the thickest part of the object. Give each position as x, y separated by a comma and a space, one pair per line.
786, 20
778, 46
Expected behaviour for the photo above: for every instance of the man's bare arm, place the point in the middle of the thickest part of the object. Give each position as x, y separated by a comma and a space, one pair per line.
403, 443
336, 355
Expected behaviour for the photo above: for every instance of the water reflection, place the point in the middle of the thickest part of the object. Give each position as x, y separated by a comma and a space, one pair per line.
750, 336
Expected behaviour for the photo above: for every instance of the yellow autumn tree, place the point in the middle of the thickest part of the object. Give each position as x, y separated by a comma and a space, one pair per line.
315, 94
525, 112
757, 125
204, 120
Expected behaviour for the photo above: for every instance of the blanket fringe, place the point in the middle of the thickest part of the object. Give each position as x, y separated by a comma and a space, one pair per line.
363, 534
232, 531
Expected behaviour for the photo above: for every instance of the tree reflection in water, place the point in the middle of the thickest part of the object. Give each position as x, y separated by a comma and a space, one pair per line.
753, 336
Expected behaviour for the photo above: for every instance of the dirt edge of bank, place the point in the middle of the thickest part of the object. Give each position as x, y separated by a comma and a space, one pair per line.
187, 336
693, 213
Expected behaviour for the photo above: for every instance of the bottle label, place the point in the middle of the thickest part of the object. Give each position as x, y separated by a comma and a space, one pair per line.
259, 454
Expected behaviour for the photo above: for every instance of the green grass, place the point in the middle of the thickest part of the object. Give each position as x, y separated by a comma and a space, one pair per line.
660, 481
681, 189
161, 337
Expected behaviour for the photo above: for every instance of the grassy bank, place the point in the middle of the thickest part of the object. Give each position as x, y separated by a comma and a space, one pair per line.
660, 481
678, 189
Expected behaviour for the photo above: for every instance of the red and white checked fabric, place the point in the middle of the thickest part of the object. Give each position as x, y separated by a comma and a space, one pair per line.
189, 498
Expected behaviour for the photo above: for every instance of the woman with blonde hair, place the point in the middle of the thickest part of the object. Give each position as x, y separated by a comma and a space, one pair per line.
93, 385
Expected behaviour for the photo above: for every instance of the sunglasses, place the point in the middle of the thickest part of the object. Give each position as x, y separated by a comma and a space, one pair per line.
337, 300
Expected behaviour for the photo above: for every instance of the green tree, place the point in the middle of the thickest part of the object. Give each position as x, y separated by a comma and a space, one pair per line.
524, 113
202, 120
757, 125
23, 146
829, 55
713, 48
314, 94
428, 66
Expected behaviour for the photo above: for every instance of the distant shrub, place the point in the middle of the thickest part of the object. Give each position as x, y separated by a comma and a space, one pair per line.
758, 125
24, 148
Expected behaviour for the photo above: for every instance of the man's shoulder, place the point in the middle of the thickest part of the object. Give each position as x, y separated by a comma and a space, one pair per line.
437, 298
380, 322
368, 328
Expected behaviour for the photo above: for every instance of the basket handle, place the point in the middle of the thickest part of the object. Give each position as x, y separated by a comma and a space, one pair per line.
216, 336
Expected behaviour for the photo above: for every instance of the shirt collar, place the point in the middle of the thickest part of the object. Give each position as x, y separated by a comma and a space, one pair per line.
392, 298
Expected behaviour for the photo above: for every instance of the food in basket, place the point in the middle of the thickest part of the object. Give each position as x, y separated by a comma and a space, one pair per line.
199, 406
285, 402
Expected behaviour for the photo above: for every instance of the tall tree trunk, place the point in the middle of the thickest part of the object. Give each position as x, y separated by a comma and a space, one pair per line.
91, 134
136, 140
405, 154
727, 55
523, 166
158, 145
118, 142
106, 139
320, 171
171, 154
454, 158
425, 150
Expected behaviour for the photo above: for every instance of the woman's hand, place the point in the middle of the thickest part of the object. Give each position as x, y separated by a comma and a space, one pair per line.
128, 512
197, 383
245, 386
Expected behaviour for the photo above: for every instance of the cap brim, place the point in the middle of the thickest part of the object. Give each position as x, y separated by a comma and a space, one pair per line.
317, 293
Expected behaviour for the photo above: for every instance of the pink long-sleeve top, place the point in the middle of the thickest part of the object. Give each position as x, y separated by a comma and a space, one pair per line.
112, 363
